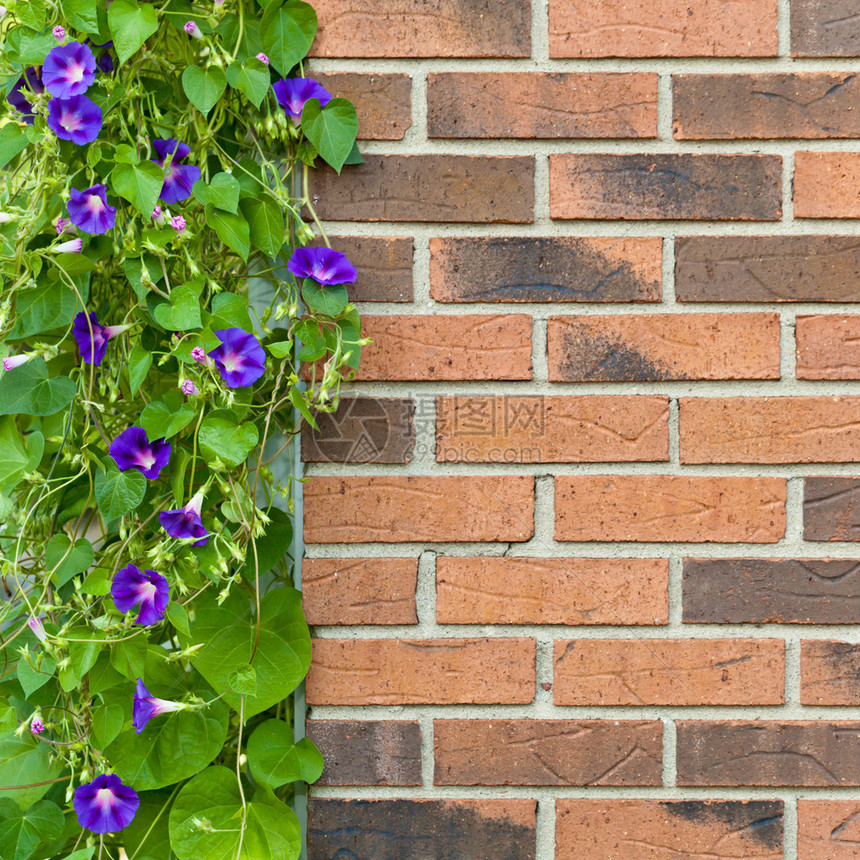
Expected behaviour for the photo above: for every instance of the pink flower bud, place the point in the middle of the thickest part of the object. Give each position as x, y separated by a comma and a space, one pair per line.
193, 30
37, 726
13, 361
263, 58
73, 246
158, 215
59, 33
64, 224
35, 624
178, 223
198, 354
189, 389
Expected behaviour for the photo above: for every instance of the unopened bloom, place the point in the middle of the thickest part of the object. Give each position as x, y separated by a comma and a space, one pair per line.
36, 725
198, 354
145, 588
73, 246
185, 522
35, 624
6, 217
179, 178
158, 215
105, 805
77, 119
68, 70
325, 266
133, 450
59, 33
33, 82
192, 29
189, 389
263, 58
92, 336
13, 361
64, 224
90, 211
292, 93
240, 358
147, 706
178, 223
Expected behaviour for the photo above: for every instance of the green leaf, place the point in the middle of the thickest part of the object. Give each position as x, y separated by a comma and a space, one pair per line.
223, 438
161, 421
13, 139
298, 400
232, 230
97, 583
24, 761
250, 77
34, 678
272, 546
228, 632
281, 348
288, 32
331, 301
119, 493
84, 646
140, 184
8, 717
108, 721
73, 264
204, 86
275, 760
14, 458
66, 559
139, 363
131, 25
27, 47
244, 680
266, 222
103, 676
147, 837
125, 153
230, 310
222, 192
21, 833
81, 14
86, 854
32, 14
178, 617
354, 156
181, 313
28, 389
43, 309
129, 657
272, 829
331, 129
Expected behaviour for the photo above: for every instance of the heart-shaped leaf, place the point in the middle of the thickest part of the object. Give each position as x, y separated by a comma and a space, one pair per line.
275, 760
222, 192
118, 493
29, 389
160, 421
331, 129
250, 77
181, 313
140, 184
12, 141
203, 86
232, 230
81, 14
230, 311
222, 438
130, 25
139, 363
66, 559
43, 309
331, 301
26, 761
288, 32
266, 222
21, 833
34, 673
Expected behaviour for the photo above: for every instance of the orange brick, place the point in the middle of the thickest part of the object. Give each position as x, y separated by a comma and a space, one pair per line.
828, 829
829, 672
422, 671
669, 508
828, 346
382, 509
513, 590
587, 429
826, 185
669, 672
770, 429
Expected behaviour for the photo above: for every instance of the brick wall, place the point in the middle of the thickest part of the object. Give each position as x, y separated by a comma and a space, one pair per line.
581, 538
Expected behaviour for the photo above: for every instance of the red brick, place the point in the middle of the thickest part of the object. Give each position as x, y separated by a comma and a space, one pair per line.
541, 105
769, 429
669, 508
663, 28
341, 591
476, 188
829, 673
422, 671
826, 185
810, 105
828, 347
585, 429
432, 28
828, 829
825, 28
383, 102
546, 269
384, 267
547, 752
668, 829
400, 509
655, 347
513, 590
660, 187
434, 347
669, 672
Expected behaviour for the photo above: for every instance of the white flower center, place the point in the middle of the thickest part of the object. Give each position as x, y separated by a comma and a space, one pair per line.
104, 797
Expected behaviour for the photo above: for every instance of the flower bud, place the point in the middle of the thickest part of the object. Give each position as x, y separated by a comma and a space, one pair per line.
193, 30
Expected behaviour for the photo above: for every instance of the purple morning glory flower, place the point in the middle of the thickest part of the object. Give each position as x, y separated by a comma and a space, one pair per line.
292, 93
77, 119
69, 70
132, 586
103, 58
132, 450
185, 522
325, 266
19, 101
240, 358
178, 223
105, 805
147, 706
89, 210
179, 178
92, 336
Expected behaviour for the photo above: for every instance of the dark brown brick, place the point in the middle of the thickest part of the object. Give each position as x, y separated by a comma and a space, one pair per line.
831, 509
764, 590
383, 102
540, 105
814, 753
546, 269
829, 673
767, 269
360, 752
548, 752
362, 430
384, 267
446, 187
811, 105
825, 28
666, 187
421, 829
828, 829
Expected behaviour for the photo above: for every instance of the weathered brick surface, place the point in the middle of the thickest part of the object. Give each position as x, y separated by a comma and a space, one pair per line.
813, 753
666, 508
829, 672
767, 269
384, 267
654, 347
420, 348
669, 672
545, 269
342, 591
666, 187
663, 28
629, 591
421, 829
825, 185
428, 188
396, 509
770, 429
824, 28
547, 752
828, 346
360, 752
763, 590
383, 102
668, 829
537, 105
831, 509
534, 429
828, 829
